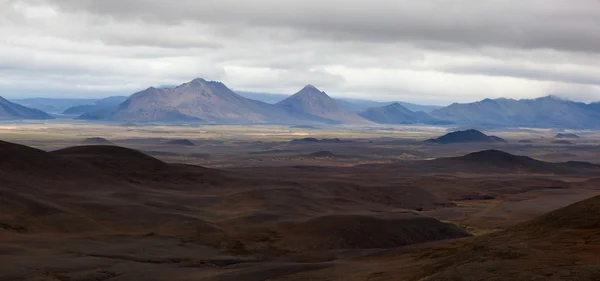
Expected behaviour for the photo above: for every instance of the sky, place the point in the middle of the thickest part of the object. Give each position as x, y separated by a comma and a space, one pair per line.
431, 52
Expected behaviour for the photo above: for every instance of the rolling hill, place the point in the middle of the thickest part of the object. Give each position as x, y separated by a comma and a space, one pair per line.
13, 111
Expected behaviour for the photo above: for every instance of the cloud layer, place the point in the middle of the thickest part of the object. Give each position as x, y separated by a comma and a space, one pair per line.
436, 51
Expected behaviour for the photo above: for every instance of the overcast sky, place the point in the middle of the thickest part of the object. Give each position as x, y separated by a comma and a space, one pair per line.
435, 52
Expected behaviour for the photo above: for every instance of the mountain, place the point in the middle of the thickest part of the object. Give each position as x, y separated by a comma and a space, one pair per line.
312, 101
98, 106
81, 109
395, 113
200, 101
54, 105
360, 105
353, 105
546, 112
111, 101
595, 106
468, 136
12, 111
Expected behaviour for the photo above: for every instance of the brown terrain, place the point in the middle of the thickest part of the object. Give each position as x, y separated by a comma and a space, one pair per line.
319, 208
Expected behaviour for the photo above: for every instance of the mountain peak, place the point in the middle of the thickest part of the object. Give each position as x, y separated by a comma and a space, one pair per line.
198, 80
552, 97
310, 87
395, 104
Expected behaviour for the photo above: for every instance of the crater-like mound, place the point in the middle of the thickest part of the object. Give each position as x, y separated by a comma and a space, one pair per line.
567, 136
315, 140
182, 142
501, 159
112, 158
497, 156
566, 142
322, 154
468, 136
16, 159
96, 141
363, 232
493, 160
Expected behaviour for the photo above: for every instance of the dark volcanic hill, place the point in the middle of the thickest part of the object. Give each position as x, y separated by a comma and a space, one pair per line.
13, 111
468, 136
311, 101
566, 136
397, 114
491, 160
198, 100
96, 141
546, 112
563, 142
183, 142
495, 161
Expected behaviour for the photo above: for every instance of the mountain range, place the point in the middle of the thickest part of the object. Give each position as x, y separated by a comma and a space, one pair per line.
60, 105
545, 112
354, 105
11, 111
212, 102
395, 113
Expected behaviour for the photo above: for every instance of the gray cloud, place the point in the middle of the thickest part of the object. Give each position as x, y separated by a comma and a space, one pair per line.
437, 51
556, 24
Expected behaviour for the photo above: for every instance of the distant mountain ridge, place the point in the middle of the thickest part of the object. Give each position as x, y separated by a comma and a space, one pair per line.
545, 112
395, 113
97, 107
60, 105
354, 105
13, 111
